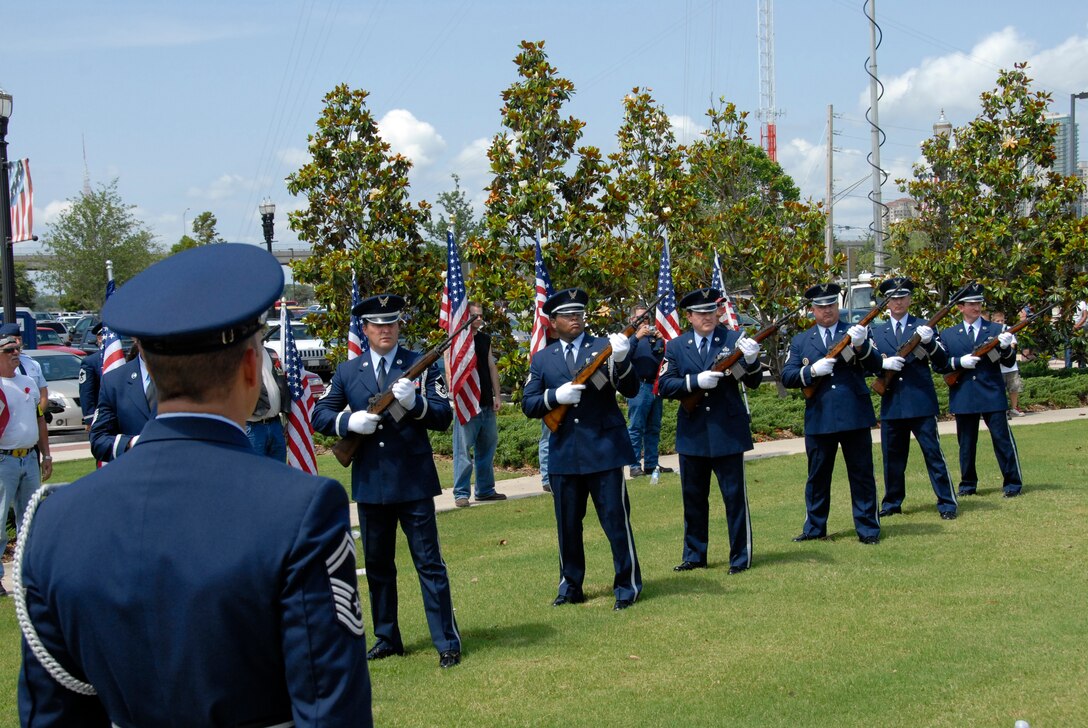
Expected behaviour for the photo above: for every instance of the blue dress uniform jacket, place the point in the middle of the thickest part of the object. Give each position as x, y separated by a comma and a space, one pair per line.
395, 464
122, 412
712, 438
834, 405
720, 425
981, 389
593, 435
90, 375
215, 601
912, 393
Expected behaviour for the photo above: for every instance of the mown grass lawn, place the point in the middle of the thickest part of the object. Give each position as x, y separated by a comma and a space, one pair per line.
979, 621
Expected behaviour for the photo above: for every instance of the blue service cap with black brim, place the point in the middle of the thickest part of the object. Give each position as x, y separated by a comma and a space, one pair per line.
974, 293
898, 287
569, 300
702, 300
823, 294
385, 308
200, 300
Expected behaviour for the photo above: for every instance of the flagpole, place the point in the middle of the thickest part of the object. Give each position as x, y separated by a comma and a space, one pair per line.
6, 236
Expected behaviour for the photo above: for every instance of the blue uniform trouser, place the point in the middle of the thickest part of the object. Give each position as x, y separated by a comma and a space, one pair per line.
608, 489
542, 452
481, 435
644, 426
378, 523
1004, 448
695, 485
857, 451
267, 439
895, 445
19, 479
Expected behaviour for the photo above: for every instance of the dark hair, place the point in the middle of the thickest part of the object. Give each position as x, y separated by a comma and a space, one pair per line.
206, 377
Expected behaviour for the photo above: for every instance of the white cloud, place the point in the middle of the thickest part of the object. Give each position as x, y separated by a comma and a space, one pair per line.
685, 129
407, 135
472, 161
294, 157
221, 188
53, 211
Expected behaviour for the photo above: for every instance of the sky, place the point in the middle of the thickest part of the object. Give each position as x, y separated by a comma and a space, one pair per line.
202, 105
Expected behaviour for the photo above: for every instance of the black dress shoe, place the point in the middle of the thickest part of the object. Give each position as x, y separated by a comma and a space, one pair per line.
948, 515
380, 652
1011, 493
890, 511
622, 604
966, 491
491, 497
737, 569
688, 566
449, 658
808, 537
637, 472
869, 540
572, 599
664, 469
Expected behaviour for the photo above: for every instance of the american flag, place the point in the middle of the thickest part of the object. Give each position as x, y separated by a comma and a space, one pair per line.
357, 341
300, 433
729, 315
667, 322
22, 200
465, 386
113, 356
539, 338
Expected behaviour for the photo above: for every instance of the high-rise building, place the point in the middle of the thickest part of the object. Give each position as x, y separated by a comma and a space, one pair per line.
1064, 164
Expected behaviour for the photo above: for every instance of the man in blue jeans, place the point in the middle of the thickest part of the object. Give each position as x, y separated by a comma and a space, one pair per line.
644, 409
481, 433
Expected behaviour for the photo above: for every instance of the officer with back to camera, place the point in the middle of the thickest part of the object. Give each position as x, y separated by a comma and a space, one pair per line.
193, 582
127, 401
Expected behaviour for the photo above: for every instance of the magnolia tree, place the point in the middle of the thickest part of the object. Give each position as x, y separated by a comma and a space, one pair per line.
358, 218
993, 209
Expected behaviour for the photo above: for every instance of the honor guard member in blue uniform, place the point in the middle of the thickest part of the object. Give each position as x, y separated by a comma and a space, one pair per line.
714, 436
127, 401
909, 405
589, 449
90, 377
980, 392
838, 413
393, 477
194, 582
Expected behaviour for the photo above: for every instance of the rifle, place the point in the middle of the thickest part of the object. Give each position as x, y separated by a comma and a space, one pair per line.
880, 384
726, 362
346, 447
988, 346
589, 372
845, 342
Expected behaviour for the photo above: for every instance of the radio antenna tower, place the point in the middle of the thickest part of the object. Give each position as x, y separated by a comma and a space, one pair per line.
86, 171
768, 136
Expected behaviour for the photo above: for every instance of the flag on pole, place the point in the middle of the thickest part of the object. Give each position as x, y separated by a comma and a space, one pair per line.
729, 314
300, 433
539, 338
465, 386
666, 318
113, 356
357, 341
22, 200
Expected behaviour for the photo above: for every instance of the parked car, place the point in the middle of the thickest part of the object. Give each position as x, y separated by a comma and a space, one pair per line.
57, 326
310, 349
61, 372
50, 339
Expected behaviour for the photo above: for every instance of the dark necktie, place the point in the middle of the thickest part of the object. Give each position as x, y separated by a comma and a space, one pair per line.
570, 359
827, 339
974, 333
381, 374
899, 332
152, 394
703, 348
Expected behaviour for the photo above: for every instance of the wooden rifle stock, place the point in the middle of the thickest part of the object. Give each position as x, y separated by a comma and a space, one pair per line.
554, 417
346, 447
724, 362
880, 384
845, 342
954, 376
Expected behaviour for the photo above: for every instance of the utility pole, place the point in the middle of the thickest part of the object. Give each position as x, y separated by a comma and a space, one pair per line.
829, 234
874, 156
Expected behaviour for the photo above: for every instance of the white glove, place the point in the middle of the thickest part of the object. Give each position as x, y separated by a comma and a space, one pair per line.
363, 422
1007, 340
925, 334
569, 393
968, 362
822, 367
405, 392
858, 334
709, 379
620, 346
894, 363
748, 347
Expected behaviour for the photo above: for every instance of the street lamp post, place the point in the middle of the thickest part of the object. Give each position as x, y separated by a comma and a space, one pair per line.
1073, 140
7, 256
268, 213
184, 227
